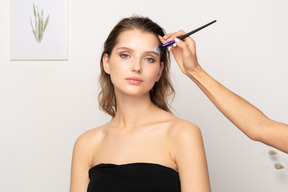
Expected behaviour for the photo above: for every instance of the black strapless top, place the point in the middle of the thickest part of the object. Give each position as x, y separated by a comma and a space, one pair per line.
133, 177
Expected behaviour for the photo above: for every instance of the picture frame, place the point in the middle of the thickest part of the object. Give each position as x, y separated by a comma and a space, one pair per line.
39, 30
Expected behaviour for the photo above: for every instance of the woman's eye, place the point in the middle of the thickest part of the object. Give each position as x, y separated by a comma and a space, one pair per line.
149, 59
124, 56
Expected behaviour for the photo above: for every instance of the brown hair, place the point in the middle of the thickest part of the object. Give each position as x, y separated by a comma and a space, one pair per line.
161, 90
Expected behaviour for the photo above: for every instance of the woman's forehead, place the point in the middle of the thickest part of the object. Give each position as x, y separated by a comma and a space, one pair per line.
137, 38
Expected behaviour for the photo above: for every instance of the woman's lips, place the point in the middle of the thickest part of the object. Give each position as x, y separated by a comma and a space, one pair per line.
134, 80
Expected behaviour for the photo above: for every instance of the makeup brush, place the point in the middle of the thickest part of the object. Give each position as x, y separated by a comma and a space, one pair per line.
160, 47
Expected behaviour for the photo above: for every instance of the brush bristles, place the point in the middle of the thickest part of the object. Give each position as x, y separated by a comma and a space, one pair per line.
158, 49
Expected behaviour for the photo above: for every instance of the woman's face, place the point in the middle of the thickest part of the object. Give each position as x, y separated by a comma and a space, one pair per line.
133, 65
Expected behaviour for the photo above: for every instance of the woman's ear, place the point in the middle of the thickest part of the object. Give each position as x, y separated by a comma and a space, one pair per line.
105, 61
160, 71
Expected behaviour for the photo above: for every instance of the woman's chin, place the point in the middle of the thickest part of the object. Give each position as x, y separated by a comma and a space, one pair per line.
135, 93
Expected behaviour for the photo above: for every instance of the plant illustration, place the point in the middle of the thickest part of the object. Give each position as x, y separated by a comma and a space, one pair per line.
39, 25
278, 165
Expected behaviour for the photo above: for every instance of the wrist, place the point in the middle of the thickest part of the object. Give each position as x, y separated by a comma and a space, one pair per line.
196, 72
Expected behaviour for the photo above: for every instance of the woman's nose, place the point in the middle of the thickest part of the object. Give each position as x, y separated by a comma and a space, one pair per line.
136, 66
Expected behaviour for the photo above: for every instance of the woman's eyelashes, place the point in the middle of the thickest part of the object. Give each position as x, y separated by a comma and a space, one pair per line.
150, 59
124, 56
147, 58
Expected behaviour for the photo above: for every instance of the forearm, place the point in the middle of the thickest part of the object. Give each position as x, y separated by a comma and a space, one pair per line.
240, 112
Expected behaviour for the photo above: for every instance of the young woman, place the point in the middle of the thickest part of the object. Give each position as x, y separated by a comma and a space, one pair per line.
144, 147
250, 120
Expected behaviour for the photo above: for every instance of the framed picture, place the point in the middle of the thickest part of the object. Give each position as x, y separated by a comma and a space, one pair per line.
39, 30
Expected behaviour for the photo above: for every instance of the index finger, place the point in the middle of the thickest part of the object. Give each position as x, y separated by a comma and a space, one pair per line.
171, 36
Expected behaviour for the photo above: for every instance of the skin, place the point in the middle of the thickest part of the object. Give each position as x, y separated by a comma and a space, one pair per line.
250, 120
140, 131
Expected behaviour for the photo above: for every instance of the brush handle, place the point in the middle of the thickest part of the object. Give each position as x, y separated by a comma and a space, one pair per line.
188, 34
195, 30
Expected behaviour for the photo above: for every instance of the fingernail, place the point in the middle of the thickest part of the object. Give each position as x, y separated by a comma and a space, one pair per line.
177, 40
168, 40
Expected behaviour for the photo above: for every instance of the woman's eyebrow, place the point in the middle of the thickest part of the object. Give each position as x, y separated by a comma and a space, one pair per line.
152, 52
125, 48
131, 50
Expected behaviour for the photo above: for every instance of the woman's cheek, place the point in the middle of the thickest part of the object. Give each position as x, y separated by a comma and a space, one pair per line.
155, 71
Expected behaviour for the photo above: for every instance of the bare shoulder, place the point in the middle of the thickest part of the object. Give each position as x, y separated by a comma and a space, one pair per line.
189, 155
179, 129
91, 135
82, 158
86, 142
184, 137
182, 129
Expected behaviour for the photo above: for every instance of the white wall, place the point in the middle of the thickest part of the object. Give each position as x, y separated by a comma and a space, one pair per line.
45, 106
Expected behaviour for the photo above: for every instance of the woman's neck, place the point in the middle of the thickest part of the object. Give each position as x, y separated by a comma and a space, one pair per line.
133, 112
